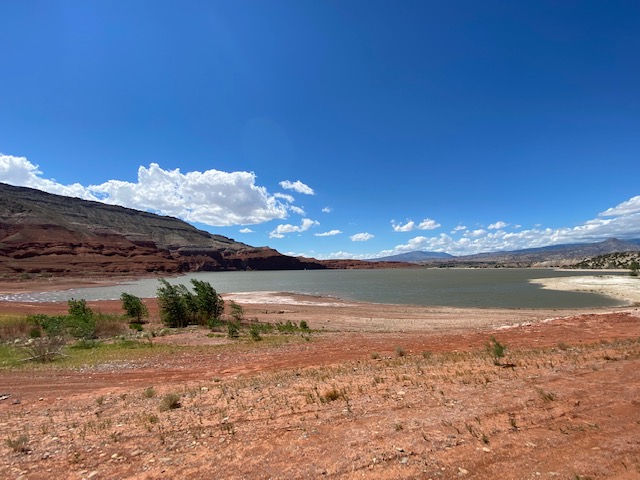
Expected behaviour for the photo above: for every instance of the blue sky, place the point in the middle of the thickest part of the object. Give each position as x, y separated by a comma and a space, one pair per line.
334, 129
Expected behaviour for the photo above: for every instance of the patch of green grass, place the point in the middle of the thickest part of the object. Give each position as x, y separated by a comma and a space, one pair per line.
11, 356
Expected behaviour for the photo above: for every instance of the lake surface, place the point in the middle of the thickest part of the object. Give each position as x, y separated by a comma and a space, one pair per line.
503, 288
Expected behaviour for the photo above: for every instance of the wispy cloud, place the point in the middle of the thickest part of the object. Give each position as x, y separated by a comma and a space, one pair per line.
330, 233
327, 210
361, 237
211, 197
246, 230
297, 186
297, 210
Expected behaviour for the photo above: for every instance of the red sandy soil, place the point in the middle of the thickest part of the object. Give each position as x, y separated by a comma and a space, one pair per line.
378, 391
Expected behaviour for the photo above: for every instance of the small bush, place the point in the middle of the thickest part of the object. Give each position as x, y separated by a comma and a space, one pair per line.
19, 444
45, 349
254, 332
303, 325
214, 322
289, 327
79, 308
170, 401
149, 392
496, 350
136, 310
332, 395
136, 326
400, 352
233, 330
375, 355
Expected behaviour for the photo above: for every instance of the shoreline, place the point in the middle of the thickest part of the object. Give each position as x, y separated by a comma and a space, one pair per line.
625, 288
331, 313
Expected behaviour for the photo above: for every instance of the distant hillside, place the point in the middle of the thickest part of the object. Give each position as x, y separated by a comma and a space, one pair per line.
45, 233
413, 257
551, 256
618, 260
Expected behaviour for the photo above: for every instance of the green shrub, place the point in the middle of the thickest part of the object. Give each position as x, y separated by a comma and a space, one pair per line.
81, 326
207, 301
496, 350
254, 332
134, 307
179, 307
79, 308
233, 330
173, 309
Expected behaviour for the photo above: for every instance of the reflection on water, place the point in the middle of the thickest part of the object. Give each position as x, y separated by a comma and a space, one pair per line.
505, 288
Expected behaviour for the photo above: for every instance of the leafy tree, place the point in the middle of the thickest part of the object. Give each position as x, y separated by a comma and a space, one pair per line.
81, 322
209, 304
634, 267
134, 307
173, 308
179, 307
79, 308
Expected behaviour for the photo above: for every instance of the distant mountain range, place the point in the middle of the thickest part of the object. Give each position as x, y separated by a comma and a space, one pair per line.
413, 257
550, 256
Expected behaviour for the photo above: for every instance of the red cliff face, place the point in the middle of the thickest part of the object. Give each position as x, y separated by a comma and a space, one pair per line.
44, 233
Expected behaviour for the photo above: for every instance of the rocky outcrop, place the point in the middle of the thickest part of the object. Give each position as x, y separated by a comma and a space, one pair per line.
41, 233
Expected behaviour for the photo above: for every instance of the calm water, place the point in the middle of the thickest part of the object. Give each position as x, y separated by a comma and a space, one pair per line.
506, 288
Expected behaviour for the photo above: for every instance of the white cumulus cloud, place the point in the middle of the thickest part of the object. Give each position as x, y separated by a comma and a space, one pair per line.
281, 230
20, 172
407, 227
327, 210
297, 186
497, 225
361, 237
211, 197
246, 230
630, 207
428, 224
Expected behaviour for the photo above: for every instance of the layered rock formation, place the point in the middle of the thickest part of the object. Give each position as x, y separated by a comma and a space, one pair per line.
45, 233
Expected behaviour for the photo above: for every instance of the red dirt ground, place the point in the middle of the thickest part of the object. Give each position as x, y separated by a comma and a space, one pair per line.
345, 404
